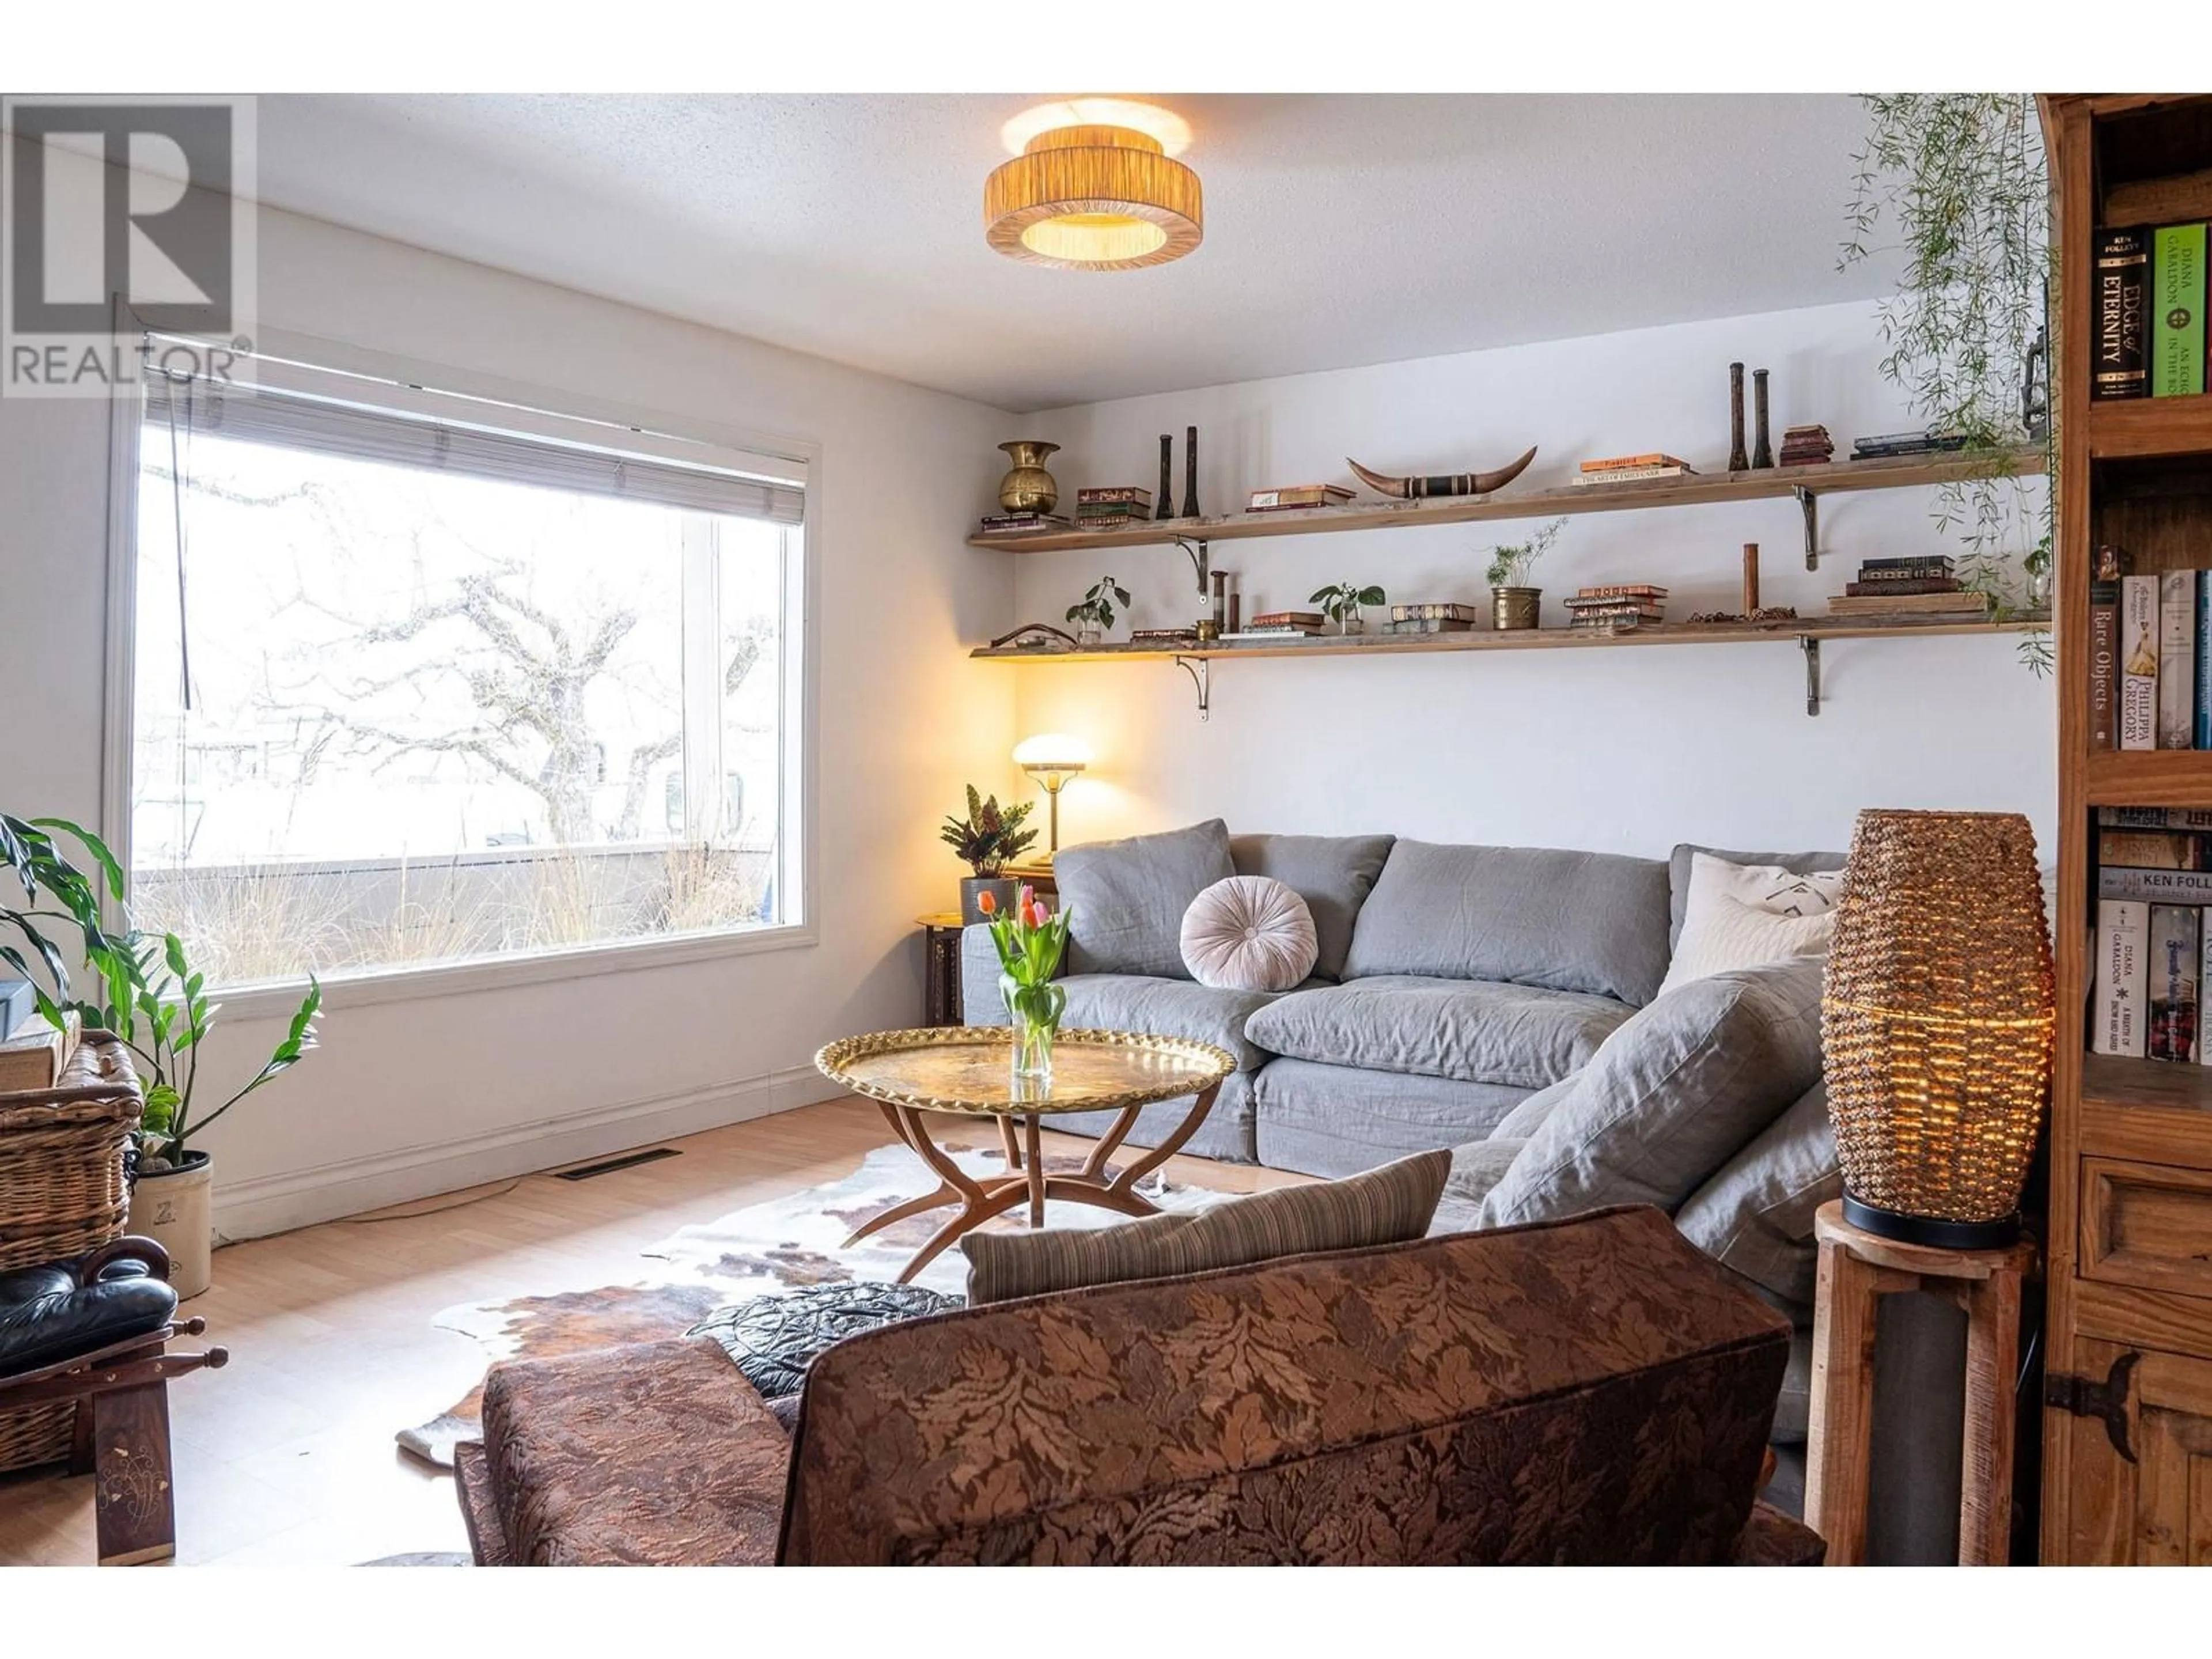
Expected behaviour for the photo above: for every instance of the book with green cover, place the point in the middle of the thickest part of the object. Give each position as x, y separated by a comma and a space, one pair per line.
2177, 311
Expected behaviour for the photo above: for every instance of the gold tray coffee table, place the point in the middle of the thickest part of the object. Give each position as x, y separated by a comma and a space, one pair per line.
969, 1070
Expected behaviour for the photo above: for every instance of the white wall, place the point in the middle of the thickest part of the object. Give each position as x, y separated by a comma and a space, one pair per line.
412, 1098
1628, 750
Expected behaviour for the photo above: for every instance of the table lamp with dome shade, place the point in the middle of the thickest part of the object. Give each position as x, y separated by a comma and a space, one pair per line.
1052, 758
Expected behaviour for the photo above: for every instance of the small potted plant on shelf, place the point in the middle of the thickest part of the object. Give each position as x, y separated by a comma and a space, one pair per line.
1095, 616
154, 1002
1513, 603
1341, 601
989, 838
1030, 940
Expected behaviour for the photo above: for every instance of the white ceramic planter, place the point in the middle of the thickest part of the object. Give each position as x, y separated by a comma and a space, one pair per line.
171, 1208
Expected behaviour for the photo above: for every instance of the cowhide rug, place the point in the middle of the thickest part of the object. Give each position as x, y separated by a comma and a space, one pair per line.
764, 1250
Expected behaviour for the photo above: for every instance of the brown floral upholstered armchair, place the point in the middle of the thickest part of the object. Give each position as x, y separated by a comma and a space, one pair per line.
1582, 1391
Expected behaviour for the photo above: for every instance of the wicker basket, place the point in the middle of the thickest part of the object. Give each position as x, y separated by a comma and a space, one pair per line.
1937, 1015
62, 1193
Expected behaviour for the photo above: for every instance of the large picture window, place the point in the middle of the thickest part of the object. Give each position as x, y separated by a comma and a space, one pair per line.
409, 688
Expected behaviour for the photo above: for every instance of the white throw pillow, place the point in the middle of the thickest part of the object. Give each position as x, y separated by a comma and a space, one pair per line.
1747, 916
1249, 934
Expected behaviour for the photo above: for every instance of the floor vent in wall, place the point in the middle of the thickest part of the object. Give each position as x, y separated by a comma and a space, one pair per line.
608, 1165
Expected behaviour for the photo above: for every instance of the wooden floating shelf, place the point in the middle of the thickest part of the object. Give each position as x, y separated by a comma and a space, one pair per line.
2148, 777
2149, 429
1384, 645
1704, 490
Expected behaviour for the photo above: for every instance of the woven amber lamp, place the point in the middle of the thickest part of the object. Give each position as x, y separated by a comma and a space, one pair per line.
1094, 196
1936, 1021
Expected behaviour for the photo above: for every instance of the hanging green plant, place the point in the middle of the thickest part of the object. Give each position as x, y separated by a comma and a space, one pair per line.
1958, 184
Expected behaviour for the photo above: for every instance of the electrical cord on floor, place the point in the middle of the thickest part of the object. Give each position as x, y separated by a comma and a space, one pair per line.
435, 1209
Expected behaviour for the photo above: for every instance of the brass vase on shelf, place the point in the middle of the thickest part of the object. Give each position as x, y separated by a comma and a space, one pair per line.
1513, 608
1028, 487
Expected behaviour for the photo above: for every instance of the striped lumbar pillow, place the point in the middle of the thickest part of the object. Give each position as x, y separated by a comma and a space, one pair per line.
1387, 1206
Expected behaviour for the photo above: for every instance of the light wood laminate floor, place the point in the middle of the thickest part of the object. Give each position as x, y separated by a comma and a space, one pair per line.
286, 1455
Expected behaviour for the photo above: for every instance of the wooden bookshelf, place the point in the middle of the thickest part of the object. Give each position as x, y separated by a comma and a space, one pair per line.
1705, 490
2128, 1314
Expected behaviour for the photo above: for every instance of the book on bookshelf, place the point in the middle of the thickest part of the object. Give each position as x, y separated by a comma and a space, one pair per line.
2174, 957
1131, 494
1429, 625
2177, 311
1622, 591
1903, 585
1919, 565
2116, 881
1925, 605
1633, 474
2105, 649
2201, 681
1435, 609
2150, 849
2154, 817
2117, 364
1614, 612
1620, 462
1019, 524
2139, 662
1295, 495
2177, 659
1294, 618
1255, 632
2122, 978
1162, 636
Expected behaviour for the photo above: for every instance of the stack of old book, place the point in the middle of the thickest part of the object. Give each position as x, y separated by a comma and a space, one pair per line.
1629, 469
1298, 498
1887, 444
33, 1053
1019, 524
1437, 616
1160, 637
1118, 508
1618, 608
1281, 624
1807, 446
1927, 586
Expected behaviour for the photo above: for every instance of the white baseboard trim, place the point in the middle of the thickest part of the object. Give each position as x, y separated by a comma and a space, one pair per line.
301, 1198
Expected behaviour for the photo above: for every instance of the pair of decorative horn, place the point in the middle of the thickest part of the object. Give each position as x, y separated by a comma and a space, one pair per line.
1441, 484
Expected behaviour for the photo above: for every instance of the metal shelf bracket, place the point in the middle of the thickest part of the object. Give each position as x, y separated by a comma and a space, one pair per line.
1200, 560
1812, 672
1810, 504
1201, 670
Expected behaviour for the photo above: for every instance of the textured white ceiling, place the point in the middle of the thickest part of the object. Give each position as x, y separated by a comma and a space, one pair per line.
1339, 230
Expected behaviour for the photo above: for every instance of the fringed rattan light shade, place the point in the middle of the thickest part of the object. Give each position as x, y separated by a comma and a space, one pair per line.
1094, 198
1936, 1020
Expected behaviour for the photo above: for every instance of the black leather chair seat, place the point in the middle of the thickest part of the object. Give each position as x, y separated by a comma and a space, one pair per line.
49, 1313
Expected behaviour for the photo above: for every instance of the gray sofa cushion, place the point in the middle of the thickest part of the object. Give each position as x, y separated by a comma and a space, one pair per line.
1166, 1007
1678, 875
1339, 1120
1671, 1095
1475, 1030
1475, 1168
1755, 1214
1126, 898
1524, 1120
1571, 921
1333, 874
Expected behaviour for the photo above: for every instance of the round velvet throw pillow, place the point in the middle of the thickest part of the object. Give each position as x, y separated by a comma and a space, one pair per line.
1249, 933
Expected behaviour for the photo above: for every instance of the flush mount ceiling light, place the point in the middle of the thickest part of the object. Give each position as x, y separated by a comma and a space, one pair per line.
1095, 186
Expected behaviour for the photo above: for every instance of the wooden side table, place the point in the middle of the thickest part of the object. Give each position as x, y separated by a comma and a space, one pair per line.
940, 950
1857, 1269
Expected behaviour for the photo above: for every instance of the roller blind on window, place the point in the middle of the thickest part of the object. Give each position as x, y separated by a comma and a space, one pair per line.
267, 415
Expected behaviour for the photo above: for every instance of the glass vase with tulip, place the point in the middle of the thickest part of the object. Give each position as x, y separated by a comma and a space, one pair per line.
1030, 943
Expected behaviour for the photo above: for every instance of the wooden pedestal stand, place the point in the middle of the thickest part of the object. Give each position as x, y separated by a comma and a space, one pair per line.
1857, 1269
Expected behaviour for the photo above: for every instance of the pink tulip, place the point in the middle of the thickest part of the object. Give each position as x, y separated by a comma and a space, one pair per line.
986, 902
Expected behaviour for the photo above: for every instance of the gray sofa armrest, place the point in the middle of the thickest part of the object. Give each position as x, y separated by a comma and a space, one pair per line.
980, 1001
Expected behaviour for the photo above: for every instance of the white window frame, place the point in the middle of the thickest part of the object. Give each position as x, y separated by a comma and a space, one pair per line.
399, 383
